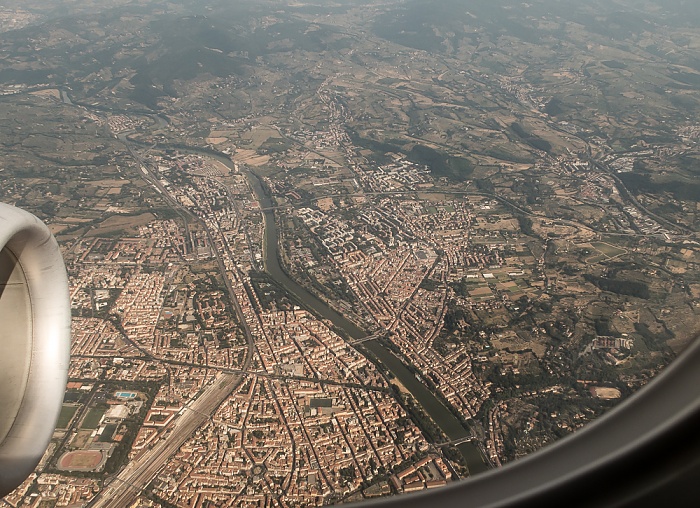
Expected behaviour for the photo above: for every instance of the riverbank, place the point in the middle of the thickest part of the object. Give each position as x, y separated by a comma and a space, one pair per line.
438, 412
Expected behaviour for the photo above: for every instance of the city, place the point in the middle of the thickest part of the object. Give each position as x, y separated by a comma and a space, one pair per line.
355, 264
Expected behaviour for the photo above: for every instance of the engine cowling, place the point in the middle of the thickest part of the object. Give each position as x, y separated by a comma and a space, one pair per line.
34, 342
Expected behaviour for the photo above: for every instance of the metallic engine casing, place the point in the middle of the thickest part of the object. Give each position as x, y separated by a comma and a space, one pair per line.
35, 319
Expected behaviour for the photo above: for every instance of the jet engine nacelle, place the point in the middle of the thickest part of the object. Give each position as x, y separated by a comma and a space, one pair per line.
34, 342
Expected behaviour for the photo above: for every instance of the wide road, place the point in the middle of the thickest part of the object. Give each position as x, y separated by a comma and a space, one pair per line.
130, 482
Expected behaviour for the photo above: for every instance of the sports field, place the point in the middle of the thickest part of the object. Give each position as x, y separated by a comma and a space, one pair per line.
92, 419
82, 460
608, 250
67, 413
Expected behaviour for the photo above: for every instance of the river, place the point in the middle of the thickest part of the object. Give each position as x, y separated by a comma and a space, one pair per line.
438, 412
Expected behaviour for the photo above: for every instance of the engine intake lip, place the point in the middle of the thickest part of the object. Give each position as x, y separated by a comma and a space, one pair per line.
34, 342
